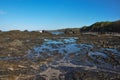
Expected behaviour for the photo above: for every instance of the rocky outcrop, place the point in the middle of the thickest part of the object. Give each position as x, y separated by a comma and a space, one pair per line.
42, 56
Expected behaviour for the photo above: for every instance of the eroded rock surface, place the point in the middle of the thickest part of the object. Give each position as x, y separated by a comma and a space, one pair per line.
42, 56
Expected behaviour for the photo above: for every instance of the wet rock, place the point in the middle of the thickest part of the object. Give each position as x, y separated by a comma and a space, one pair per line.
67, 57
38, 77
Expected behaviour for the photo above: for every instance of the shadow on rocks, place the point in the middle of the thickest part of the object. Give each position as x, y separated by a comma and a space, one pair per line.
38, 77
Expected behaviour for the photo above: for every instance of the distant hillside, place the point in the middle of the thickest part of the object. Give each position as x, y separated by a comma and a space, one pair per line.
102, 27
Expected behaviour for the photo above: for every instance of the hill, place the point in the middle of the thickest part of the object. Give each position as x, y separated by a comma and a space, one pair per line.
102, 27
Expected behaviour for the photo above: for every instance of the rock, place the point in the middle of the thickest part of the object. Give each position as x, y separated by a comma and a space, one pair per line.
16, 43
38, 77
20, 66
11, 68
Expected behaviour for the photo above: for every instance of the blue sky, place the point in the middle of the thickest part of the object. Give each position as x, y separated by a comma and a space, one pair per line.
55, 14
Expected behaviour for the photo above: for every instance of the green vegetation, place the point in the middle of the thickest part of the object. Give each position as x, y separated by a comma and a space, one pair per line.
102, 27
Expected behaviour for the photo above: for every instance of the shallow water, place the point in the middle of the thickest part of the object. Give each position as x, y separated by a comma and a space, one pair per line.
74, 54
65, 50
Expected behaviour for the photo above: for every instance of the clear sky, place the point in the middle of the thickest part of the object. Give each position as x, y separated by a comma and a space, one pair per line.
55, 14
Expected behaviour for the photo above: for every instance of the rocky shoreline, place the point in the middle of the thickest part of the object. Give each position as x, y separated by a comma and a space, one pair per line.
44, 56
